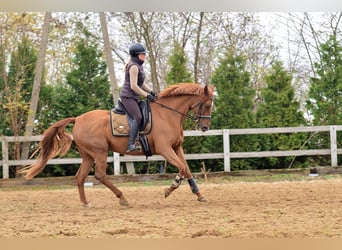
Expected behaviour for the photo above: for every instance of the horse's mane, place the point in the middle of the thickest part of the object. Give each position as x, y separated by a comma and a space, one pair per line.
182, 89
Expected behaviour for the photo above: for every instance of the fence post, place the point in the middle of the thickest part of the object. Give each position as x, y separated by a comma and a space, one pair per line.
116, 162
130, 168
226, 150
5, 167
333, 146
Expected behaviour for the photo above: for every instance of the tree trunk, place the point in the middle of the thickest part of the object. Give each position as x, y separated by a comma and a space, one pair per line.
146, 34
36, 85
197, 49
109, 58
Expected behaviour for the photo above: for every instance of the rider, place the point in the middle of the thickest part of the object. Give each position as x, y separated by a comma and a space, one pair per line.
135, 87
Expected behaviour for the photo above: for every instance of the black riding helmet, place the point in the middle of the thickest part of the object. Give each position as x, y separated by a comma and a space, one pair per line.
137, 48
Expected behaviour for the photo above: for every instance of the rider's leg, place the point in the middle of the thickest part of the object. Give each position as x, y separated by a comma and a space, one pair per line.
132, 137
133, 109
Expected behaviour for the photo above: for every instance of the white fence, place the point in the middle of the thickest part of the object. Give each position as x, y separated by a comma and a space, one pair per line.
226, 155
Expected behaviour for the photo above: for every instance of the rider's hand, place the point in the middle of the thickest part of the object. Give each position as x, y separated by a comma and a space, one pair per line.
154, 94
150, 98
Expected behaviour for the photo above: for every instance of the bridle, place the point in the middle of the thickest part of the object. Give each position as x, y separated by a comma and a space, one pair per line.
196, 118
200, 116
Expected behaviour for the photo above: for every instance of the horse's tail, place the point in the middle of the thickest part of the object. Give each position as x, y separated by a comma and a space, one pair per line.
55, 142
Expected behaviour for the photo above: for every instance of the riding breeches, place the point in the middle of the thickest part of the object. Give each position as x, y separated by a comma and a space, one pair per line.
132, 108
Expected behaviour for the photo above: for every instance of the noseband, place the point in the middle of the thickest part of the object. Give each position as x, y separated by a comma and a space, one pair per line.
200, 116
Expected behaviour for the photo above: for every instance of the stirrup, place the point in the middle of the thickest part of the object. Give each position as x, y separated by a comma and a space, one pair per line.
133, 148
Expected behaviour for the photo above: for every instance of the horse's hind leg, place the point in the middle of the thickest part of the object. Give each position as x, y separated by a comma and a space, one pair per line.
81, 175
100, 174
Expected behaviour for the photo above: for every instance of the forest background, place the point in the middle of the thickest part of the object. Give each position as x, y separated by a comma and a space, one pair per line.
269, 70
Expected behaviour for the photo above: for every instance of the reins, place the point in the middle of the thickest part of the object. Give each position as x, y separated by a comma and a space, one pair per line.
194, 118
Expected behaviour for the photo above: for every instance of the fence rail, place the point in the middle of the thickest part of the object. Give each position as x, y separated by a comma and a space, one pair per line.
226, 155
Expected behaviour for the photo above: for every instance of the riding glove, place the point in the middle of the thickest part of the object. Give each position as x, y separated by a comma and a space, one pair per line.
154, 94
150, 98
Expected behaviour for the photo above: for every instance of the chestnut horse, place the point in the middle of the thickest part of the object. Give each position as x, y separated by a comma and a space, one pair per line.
93, 137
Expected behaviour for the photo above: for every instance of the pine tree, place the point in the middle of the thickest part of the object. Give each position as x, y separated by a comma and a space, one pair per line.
16, 87
325, 94
19, 86
3, 75
87, 86
279, 109
178, 72
234, 105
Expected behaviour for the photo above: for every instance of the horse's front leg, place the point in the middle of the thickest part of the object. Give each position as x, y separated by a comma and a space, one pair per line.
178, 160
192, 182
175, 184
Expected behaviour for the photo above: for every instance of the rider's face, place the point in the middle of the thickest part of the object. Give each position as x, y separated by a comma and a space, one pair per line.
142, 57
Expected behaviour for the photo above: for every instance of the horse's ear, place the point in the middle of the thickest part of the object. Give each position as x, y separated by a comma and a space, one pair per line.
206, 91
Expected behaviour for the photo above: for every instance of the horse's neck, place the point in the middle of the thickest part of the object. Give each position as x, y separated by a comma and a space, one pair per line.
179, 104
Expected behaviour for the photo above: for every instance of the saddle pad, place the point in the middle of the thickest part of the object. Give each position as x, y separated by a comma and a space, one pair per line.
120, 127
119, 124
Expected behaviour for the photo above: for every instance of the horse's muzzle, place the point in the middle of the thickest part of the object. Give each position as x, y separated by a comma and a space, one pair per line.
204, 128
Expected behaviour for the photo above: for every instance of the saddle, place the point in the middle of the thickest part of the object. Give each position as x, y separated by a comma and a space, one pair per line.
120, 122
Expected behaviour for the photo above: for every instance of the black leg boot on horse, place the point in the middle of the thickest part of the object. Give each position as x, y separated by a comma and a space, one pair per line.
133, 132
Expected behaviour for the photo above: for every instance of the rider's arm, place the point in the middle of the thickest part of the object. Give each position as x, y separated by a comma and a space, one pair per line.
145, 87
133, 73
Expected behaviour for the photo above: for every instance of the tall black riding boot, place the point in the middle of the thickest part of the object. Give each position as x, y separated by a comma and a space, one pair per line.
132, 136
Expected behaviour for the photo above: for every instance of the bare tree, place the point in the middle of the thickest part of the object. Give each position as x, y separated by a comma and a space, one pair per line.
197, 47
305, 33
145, 27
109, 58
36, 84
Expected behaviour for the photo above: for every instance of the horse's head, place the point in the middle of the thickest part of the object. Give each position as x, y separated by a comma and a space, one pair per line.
201, 102
204, 108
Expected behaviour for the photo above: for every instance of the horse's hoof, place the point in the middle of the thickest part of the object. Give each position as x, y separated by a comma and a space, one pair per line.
202, 199
166, 192
123, 202
86, 205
